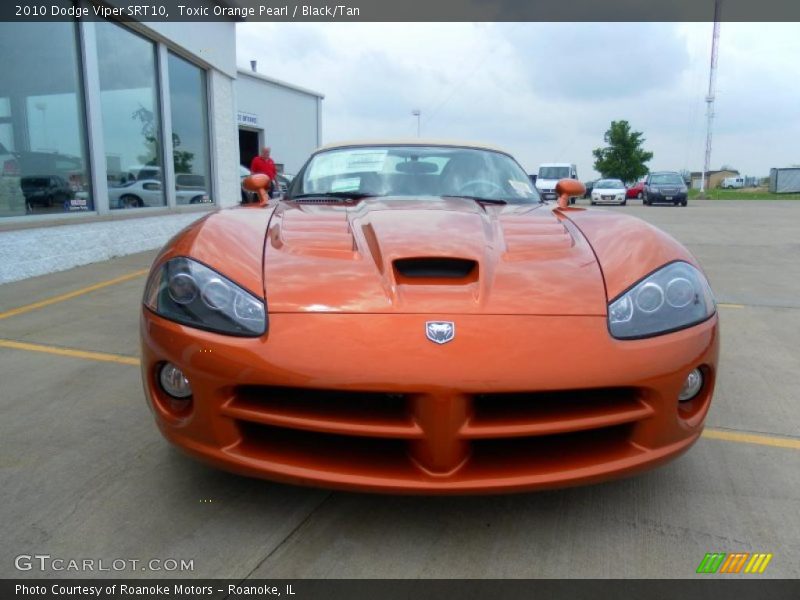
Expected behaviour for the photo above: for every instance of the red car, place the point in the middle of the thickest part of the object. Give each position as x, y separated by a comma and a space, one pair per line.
635, 191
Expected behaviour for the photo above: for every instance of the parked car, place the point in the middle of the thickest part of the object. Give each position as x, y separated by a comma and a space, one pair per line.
412, 318
589, 185
635, 191
550, 174
141, 172
609, 191
150, 192
283, 181
46, 190
665, 187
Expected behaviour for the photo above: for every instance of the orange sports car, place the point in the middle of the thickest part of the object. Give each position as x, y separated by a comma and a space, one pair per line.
412, 317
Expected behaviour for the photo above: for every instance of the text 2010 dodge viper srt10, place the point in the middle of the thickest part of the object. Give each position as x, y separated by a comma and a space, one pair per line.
411, 317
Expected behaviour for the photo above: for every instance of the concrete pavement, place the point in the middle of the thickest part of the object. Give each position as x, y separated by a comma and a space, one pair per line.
84, 472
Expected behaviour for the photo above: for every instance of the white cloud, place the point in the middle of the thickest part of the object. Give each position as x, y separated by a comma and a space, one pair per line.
548, 91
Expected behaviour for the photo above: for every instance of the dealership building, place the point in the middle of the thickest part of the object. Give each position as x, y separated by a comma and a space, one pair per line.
114, 136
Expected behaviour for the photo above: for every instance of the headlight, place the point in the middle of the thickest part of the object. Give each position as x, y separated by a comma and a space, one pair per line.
674, 297
188, 292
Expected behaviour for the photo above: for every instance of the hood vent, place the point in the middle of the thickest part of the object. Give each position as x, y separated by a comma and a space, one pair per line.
436, 268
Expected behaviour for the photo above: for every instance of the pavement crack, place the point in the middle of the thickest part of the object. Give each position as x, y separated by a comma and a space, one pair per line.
289, 535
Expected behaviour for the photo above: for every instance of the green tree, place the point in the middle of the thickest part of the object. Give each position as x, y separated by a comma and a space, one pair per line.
182, 159
623, 157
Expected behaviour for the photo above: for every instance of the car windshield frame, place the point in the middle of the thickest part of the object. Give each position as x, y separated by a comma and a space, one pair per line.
406, 170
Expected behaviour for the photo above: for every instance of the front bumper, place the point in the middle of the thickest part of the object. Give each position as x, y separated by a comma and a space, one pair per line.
612, 200
666, 198
367, 402
548, 194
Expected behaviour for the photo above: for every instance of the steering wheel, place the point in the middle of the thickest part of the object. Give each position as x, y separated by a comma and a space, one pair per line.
464, 189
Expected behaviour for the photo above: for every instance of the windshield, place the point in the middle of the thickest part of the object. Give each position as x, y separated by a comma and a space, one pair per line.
666, 179
415, 171
609, 184
553, 172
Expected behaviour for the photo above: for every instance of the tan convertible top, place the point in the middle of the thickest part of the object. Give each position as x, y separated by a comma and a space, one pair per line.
410, 142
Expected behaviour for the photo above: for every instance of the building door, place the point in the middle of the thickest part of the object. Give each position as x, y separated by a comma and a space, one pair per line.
248, 146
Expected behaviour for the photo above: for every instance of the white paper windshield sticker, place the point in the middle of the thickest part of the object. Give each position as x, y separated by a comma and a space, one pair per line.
523, 188
366, 160
346, 185
344, 162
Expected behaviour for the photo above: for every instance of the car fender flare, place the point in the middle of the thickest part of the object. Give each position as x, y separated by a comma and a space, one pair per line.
627, 248
243, 228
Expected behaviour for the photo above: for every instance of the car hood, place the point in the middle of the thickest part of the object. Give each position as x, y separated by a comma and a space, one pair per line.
608, 191
396, 255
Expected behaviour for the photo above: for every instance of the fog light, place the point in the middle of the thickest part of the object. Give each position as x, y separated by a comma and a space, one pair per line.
174, 382
691, 386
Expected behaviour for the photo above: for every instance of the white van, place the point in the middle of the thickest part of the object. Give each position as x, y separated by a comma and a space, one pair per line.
549, 174
733, 182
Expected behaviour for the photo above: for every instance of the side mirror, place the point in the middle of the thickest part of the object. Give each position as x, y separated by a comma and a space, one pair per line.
569, 188
257, 183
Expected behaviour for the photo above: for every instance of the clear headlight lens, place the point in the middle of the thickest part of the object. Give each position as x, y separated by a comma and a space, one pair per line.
188, 292
674, 297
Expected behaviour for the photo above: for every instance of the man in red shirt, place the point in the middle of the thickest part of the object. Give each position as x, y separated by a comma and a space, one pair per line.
264, 164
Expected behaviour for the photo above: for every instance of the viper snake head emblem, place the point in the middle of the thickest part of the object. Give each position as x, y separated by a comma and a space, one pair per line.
440, 332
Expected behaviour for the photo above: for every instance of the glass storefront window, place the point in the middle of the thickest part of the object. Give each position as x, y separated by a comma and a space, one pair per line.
131, 117
189, 111
43, 157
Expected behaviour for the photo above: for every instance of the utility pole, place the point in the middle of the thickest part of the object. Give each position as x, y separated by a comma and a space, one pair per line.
712, 83
417, 113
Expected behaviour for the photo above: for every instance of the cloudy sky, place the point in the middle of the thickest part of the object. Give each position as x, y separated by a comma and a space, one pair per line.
548, 91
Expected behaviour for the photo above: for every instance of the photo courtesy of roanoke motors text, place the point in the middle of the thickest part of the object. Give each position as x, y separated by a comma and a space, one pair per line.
399, 300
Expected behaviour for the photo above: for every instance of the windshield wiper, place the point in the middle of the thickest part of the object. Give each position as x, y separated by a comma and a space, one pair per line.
338, 195
478, 199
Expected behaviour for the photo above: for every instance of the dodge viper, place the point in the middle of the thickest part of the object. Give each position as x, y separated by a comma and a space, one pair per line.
411, 317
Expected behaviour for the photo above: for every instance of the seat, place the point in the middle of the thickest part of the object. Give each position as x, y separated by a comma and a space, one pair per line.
371, 183
459, 171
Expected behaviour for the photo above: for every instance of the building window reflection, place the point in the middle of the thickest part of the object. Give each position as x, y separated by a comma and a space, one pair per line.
43, 158
131, 118
190, 147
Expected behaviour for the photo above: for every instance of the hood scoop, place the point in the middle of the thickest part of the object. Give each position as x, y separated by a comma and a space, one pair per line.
439, 269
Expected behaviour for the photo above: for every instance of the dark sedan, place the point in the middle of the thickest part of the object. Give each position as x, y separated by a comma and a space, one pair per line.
665, 187
46, 190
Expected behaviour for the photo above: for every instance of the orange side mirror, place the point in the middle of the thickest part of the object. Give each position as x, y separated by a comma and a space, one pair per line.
568, 188
257, 183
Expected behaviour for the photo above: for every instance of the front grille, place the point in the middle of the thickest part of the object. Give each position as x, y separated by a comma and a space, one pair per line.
410, 435
370, 414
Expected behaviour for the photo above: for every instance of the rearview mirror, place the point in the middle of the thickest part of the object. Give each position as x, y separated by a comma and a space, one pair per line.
569, 188
257, 183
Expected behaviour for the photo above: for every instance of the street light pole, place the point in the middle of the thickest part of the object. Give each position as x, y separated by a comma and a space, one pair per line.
417, 113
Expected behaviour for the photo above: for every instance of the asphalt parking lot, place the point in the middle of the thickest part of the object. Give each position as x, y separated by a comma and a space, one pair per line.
84, 472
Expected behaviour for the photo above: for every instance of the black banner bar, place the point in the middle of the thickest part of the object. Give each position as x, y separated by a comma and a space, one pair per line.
400, 11
703, 588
